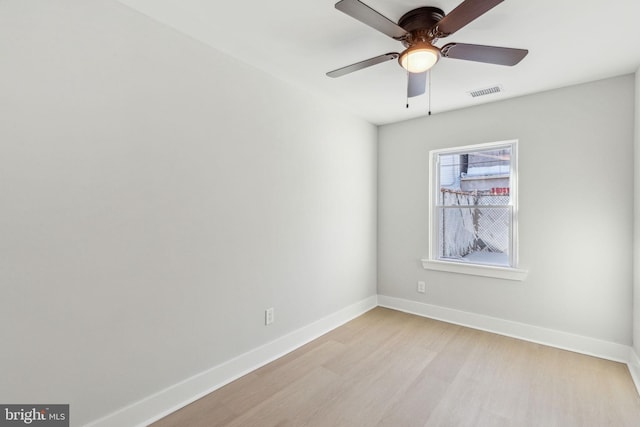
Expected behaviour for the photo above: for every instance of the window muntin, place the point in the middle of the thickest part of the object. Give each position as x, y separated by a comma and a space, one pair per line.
473, 214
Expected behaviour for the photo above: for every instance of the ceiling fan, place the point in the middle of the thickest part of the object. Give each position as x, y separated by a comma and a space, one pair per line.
418, 30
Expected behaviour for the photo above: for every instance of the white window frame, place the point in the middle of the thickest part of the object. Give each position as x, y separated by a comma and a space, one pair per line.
512, 272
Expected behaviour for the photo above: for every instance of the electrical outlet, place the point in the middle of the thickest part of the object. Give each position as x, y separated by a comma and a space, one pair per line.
269, 316
422, 287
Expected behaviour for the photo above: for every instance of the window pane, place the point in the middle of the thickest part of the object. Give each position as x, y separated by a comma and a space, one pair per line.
475, 234
466, 176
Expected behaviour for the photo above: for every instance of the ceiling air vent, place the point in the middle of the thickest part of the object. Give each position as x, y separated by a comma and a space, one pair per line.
486, 91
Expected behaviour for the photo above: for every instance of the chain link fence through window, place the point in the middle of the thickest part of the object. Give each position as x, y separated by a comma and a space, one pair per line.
472, 222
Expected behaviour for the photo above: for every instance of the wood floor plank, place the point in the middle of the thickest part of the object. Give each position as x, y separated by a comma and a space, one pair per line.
202, 413
270, 379
367, 390
387, 368
291, 405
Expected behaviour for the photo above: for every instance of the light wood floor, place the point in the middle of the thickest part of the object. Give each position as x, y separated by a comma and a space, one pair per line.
387, 368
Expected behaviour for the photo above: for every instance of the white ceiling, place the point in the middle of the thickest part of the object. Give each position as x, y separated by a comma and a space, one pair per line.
569, 42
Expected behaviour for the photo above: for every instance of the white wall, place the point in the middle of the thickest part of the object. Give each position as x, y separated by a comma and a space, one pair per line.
576, 204
157, 196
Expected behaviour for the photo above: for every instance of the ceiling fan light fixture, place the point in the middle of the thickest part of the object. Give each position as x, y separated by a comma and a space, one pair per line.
419, 58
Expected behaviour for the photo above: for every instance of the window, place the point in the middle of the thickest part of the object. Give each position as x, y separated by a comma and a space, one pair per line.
473, 195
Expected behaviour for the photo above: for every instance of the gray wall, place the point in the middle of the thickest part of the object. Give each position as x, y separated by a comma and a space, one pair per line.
576, 209
636, 224
157, 196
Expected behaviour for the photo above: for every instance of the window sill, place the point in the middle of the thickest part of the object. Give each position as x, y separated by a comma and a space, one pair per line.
506, 273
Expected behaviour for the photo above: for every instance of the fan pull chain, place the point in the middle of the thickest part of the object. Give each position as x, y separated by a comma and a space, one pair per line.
429, 92
408, 88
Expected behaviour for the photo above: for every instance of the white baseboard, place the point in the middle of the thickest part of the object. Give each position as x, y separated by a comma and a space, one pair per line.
563, 340
634, 368
164, 402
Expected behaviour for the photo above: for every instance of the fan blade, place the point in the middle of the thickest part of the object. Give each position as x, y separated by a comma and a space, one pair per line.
417, 84
466, 12
362, 64
480, 53
363, 13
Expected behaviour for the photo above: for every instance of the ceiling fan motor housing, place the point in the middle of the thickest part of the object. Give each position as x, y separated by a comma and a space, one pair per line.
420, 25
